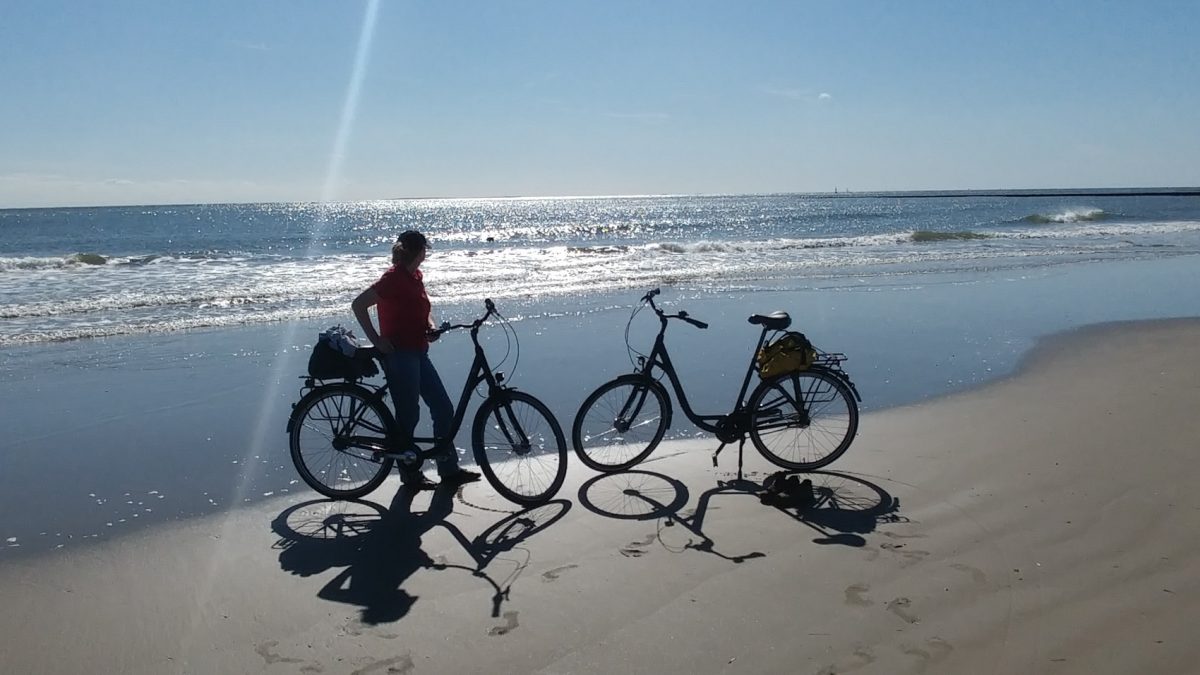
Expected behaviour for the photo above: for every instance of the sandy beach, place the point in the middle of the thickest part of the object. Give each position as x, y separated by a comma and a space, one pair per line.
1045, 523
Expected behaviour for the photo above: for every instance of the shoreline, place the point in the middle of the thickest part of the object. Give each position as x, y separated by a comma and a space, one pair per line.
210, 400
1005, 525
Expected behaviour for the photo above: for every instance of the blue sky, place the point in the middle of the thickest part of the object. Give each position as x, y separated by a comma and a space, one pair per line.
123, 102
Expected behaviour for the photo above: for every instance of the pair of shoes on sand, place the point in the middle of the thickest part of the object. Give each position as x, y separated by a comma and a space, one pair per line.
421, 482
782, 490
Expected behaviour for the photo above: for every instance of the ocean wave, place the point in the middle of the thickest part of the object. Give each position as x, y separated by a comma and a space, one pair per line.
101, 260
163, 325
696, 247
591, 250
1087, 231
930, 236
1084, 215
142, 301
12, 264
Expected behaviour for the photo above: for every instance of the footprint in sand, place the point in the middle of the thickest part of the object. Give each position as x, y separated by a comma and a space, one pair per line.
355, 628
266, 651
510, 622
899, 607
552, 575
897, 535
854, 595
977, 574
935, 650
862, 658
910, 556
397, 665
636, 549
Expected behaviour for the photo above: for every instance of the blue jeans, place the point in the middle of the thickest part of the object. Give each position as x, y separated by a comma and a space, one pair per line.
411, 378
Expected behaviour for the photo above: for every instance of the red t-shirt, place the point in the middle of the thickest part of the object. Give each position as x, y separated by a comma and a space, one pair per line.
403, 308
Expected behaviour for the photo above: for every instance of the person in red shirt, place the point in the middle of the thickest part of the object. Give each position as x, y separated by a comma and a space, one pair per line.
405, 325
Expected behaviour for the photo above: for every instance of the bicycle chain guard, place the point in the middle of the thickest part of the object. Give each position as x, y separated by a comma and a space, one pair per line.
733, 427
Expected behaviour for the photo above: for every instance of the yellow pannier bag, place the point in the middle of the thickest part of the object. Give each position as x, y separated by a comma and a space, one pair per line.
790, 353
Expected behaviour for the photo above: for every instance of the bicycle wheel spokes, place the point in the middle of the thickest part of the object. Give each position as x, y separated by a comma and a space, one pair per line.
520, 447
804, 420
333, 440
619, 425
348, 424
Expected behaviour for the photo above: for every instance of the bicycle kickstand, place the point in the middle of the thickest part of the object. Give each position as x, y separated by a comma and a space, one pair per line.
718, 451
741, 448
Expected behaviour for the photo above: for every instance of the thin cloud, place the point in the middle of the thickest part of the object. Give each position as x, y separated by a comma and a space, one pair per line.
796, 94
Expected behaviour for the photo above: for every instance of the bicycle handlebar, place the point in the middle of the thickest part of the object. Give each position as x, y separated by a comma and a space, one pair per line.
684, 315
649, 298
446, 326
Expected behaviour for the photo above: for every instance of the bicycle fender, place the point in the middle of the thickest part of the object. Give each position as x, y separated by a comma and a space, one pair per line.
844, 377
299, 405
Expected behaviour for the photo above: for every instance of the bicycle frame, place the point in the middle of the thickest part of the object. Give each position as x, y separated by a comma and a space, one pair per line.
661, 359
480, 372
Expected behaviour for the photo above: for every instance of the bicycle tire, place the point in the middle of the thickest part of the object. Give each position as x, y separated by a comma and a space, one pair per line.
804, 420
602, 418
317, 433
519, 447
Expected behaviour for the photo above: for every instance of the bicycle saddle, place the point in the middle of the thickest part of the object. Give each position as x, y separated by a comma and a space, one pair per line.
772, 321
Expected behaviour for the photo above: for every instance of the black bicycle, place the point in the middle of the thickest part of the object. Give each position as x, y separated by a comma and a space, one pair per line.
344, 439
801, 420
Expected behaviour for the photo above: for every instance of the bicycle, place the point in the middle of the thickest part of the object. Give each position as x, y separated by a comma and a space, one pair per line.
344, 439
800, 420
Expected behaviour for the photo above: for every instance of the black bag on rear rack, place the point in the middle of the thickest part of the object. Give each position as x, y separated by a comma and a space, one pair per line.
327, 362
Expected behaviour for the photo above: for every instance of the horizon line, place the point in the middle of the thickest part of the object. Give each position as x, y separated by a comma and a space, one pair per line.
866, 194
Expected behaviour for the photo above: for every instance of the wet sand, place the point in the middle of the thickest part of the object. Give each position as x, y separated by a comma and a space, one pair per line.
1045, 523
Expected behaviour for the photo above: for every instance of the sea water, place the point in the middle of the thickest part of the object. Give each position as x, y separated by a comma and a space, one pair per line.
79, 273
149, 355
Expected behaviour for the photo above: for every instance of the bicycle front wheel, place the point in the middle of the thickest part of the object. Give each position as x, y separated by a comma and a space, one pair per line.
803, 421
520, 447
621, 423
335, 431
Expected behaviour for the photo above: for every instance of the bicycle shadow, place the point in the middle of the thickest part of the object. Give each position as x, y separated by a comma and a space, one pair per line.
645, 495
379, 548
844, 507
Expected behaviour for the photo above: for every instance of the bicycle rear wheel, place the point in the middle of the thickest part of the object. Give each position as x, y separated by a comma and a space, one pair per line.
520, 447
621, 423
803, 421
333, 434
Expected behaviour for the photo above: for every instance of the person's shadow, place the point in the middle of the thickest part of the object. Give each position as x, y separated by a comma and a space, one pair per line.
380, 548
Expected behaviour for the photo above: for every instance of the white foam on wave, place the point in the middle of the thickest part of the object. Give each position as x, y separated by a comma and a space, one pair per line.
62, 302
1098, 231
1075, 215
